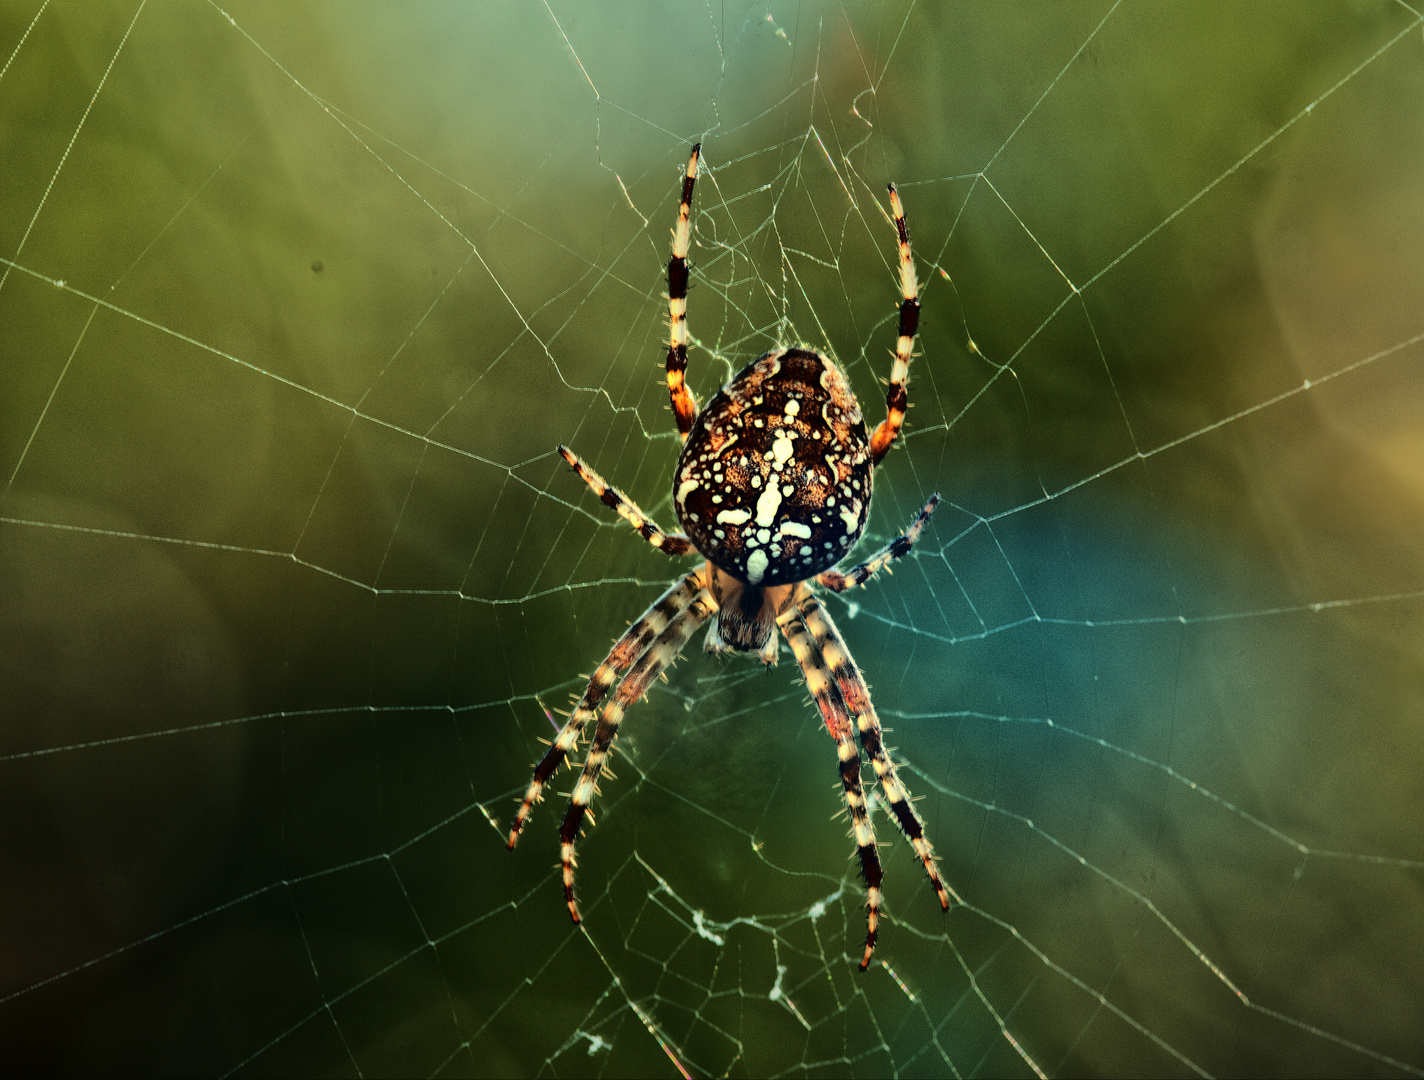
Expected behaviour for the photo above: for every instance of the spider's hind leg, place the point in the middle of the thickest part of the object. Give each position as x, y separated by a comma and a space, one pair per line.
896, 396
684, 406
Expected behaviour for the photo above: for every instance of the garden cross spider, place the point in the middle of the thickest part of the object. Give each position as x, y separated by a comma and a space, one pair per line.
773, 489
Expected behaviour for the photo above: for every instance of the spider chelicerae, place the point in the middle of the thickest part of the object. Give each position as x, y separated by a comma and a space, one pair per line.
773, 489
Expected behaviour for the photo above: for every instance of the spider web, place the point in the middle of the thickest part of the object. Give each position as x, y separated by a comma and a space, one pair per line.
296, 303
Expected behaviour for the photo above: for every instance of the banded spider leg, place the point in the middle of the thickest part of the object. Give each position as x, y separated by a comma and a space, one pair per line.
626, 508
837, 719
897, 395
856, 695
627, 649
897, 548
841, 695
655, 660
684, 405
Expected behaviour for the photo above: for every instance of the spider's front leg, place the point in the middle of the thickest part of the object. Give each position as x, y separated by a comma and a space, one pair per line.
851, 683
837, 719
659, 655
620, 658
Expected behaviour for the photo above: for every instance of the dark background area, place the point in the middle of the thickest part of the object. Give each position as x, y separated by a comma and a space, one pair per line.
296, 302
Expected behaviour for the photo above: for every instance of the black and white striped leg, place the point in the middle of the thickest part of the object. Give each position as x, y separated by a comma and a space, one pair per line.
851, 683
896, 396
837, 719
897, 548
684, 406
626, 650
671, 543
659, 655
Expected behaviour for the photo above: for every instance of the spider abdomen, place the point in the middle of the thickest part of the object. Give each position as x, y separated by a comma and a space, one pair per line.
773, 485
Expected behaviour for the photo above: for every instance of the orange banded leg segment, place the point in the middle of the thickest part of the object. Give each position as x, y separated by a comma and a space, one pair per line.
896, 396
671, 543
848, 679
684, 407
659, 655
897, 548
626, 650
833, 712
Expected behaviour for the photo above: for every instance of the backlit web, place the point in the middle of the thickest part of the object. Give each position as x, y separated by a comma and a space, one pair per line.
295, 304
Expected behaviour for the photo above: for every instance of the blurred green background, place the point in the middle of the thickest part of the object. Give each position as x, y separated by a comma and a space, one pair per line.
297, 301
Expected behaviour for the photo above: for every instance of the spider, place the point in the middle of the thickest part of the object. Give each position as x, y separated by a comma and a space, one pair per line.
773, 489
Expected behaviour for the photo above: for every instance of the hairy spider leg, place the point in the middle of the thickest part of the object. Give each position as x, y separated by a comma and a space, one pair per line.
897, 548
662, 652
620, 658
684, 406
851, 684
671, 543
837, 719
896, 396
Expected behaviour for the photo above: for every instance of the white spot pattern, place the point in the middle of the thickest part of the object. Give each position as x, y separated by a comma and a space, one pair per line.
767, 505
790, 497
756, 566
851, 516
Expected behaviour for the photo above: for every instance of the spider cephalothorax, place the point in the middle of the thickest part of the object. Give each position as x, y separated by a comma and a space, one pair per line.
773, 488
